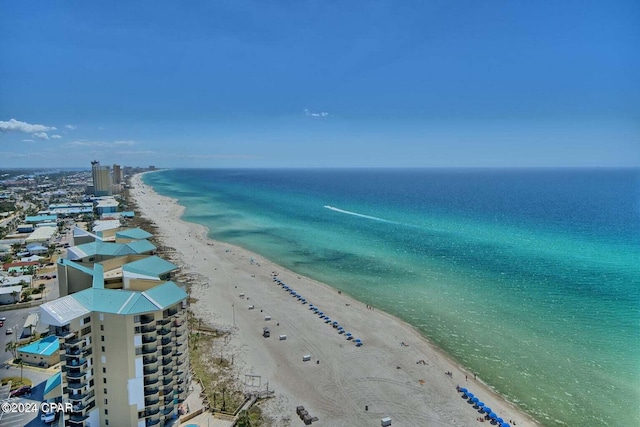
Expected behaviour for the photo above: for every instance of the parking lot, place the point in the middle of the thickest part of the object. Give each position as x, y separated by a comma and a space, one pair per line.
31, 401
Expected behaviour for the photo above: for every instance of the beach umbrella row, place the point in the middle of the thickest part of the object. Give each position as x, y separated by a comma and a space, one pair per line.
471, 398
320, 313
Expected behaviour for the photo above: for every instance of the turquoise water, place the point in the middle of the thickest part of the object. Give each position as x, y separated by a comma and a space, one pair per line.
528, 277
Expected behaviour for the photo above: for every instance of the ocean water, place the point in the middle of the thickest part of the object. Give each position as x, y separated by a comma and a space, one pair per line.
530, 278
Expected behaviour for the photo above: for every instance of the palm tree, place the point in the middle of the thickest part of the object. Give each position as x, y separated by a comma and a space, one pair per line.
12, 347
15, 294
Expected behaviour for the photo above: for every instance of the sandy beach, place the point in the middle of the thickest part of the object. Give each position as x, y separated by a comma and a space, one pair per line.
397, 373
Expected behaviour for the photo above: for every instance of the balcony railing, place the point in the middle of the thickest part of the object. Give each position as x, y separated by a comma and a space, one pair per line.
149, 349
150, 381
146, 339
151, 391
151, 412
149, 423
166, 341
164, 331
150, 370
147, 329
146, 319
151, 401
75, 374
149, 360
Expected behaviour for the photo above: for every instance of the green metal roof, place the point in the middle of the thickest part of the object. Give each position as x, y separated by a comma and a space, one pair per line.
120, 301
75, 265
141, 246
133, 233
150, 266
166, 294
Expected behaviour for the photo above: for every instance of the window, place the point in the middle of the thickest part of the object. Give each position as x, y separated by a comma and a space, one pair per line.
106, 401
104, 370
105, 391
86, 320
136, 319
106, 422
106, 412
102, 327
104, 380
102, 348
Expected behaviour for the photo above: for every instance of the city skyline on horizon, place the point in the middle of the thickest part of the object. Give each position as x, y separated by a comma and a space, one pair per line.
320, 85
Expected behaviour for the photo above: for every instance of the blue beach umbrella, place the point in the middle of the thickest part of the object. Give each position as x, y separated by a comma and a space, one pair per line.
487, 409
357, 340
493, 415
469, 395
463, 390
475, 400
480, 404
499, 420
505, 425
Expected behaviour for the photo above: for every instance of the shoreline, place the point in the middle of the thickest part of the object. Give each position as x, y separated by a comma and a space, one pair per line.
386, 375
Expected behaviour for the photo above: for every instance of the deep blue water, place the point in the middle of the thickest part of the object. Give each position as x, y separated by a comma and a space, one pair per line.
528, 277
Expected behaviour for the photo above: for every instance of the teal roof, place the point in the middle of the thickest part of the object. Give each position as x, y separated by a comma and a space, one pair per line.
150, 266
75, 265
141, 246
133, 233
120, 301
44, 347
128, 214
52, 383
41, 218
166, 294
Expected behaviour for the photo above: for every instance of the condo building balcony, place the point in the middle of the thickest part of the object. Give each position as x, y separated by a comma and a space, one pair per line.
166, 351
149, 381
147, 329
150, 370
149, 412
75, 373
164, 331
149, 338
166, 341
168, 410
149, 422
149, 360
164, 321
149, 349
151, 400
146, 319
77, 419
75, 361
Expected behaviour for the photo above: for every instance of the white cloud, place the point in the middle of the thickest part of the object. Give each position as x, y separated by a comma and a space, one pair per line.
124, 142
72, 127
56, 136
41, 135
312, 114
27, 140
14, 125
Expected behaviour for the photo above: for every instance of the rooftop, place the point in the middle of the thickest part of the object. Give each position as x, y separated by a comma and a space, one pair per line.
44, 347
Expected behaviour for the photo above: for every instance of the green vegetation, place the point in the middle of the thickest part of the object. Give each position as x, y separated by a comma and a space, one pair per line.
16, 382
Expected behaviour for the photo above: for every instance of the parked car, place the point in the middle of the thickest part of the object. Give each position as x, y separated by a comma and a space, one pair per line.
25, 389
2, 319
48, 417
9, 331
1, 323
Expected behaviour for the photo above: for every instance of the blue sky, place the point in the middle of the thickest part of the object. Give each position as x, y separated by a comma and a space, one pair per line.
320, 83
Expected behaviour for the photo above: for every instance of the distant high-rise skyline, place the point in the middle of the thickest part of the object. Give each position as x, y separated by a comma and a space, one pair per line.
101, 179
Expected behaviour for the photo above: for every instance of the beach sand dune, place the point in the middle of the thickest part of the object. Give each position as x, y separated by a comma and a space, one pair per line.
396, 373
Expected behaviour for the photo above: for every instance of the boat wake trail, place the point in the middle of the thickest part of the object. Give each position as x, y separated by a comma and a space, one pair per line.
373, 218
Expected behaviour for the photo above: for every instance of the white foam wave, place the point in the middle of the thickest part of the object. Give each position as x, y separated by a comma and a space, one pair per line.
374, 218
